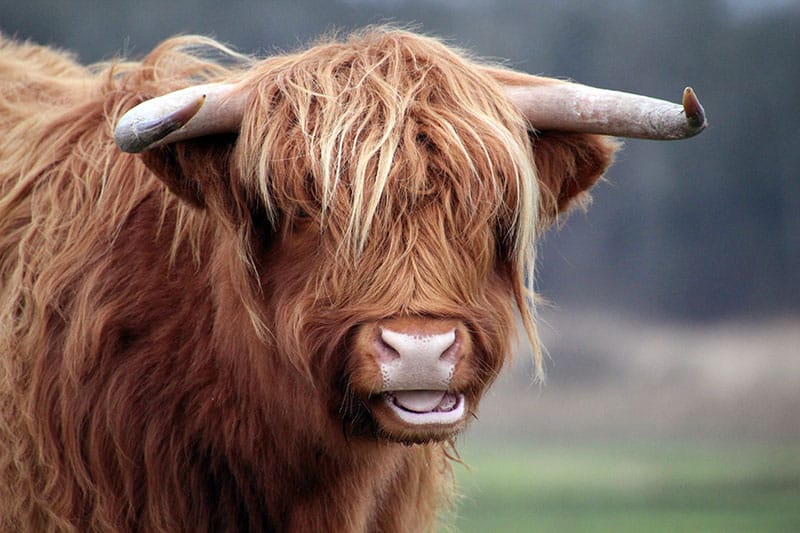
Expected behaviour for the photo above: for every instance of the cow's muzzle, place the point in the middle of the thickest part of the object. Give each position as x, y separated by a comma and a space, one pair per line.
415, 371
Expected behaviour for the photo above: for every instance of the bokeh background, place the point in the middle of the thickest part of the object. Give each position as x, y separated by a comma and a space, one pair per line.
673, 393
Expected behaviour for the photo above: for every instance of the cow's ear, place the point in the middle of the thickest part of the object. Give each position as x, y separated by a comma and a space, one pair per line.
567, 165
196, 170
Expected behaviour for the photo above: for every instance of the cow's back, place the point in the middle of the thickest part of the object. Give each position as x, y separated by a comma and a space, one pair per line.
36, 80
103, 272
38, 86
75, 220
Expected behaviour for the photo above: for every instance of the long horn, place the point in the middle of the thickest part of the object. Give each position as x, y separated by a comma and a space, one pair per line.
218, 108
578, 108
184, 114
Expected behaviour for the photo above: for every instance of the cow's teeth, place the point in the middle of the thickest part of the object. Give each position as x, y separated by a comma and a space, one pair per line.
448, 403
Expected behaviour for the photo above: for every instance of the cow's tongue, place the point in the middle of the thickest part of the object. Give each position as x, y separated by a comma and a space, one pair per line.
419, 401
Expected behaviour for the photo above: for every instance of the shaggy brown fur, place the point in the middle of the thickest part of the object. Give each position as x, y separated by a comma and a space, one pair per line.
177, 358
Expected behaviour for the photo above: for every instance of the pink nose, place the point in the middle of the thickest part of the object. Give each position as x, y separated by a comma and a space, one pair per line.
416, 359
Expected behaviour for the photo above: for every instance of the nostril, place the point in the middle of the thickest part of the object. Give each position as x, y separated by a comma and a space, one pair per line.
385, 351
453, 352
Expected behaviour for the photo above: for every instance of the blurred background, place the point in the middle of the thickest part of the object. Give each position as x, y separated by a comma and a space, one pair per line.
673, 333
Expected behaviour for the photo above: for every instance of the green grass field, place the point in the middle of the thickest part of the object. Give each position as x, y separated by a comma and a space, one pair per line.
642, 487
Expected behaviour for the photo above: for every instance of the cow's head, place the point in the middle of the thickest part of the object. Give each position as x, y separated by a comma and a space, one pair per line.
392, 191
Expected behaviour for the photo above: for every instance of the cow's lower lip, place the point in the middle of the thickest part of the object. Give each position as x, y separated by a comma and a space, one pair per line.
426, 408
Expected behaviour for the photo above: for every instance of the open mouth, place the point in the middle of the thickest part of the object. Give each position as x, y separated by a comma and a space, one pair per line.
426, 407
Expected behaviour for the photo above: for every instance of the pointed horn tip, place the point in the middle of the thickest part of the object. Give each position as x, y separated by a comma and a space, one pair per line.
695, 114
134, 134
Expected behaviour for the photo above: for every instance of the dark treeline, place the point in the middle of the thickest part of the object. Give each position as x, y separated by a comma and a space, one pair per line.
700, 229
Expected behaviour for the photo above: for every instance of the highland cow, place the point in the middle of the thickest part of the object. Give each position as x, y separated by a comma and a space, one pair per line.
275, 308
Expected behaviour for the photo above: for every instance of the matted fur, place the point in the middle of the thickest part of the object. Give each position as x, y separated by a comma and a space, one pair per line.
176, 358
